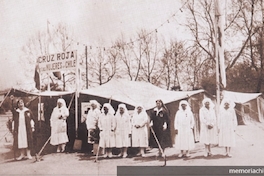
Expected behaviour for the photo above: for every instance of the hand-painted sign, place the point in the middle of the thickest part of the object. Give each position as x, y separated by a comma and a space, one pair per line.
57, 62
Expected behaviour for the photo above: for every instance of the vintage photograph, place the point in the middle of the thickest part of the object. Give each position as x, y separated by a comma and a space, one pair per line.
140, 87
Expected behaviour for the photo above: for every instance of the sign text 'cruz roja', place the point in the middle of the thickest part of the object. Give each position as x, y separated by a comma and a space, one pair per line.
57, 62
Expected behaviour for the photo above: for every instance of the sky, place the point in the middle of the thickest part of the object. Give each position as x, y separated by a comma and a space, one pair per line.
91, 21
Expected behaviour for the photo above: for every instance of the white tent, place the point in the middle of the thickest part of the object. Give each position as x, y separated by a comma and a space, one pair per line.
135, 92
239, 97
248, 106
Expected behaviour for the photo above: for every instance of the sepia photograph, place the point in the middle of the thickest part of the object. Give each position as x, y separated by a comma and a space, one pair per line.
140, 87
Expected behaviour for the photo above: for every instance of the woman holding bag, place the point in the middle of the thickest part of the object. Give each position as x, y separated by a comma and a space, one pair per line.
58, 125
107, 126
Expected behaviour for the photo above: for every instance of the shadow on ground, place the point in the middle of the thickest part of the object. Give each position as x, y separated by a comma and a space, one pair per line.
91, 157
214, 157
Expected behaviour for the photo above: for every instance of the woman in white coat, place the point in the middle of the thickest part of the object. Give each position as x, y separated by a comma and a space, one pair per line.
184, 124
107, 126
123, 129
227, 124
58, 125
208, 133
139, 129
92, 124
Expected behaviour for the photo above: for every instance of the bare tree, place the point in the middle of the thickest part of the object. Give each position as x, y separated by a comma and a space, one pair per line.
103, 65
196, 66
174, 55
246, 26
249, 24
130, 57
151, 66
261, 50
201, 25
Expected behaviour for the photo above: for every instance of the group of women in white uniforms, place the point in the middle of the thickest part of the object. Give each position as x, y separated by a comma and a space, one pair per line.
120, 130
214, 131
117, 130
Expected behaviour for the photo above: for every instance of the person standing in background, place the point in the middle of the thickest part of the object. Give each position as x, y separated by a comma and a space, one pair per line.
58, 125
107, 126
123, 129
139, 129
92, 123
227, 124
184, 124
160, 122
208, 125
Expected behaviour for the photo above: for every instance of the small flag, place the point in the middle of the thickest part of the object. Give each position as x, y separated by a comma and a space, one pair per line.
57, 75
37, 77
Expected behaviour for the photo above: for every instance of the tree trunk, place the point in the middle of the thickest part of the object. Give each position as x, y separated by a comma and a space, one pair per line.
261, 51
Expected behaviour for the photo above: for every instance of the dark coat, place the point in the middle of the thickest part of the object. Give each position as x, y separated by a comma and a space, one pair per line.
28, 118
164, 136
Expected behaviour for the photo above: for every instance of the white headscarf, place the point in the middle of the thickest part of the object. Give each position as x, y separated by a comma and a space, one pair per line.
143, 111
230, 102
62, 101
188, 108
124, 107
109, 107
211, 104
98, 105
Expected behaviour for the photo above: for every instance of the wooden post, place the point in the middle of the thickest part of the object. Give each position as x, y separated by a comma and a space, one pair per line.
76, 94
64, 84
86, 66
40, 111
219, 52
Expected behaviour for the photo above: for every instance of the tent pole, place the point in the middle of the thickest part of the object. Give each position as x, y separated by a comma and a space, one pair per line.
76, 95
76, 114
39, 106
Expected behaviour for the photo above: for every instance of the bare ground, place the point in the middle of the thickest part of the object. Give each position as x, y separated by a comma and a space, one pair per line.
248, 152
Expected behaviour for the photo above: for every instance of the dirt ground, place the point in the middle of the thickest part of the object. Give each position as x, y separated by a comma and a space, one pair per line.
248, 152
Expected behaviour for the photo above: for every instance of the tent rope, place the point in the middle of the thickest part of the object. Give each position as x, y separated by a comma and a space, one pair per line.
71, 101
5, 97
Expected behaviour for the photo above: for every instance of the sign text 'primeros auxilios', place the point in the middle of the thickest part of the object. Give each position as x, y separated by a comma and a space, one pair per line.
57, 62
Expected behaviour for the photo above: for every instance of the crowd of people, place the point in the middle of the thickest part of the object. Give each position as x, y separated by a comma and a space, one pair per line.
110, 129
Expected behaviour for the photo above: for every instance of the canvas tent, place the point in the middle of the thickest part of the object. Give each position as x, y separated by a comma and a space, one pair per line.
31, 99
134, 92
249, 106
